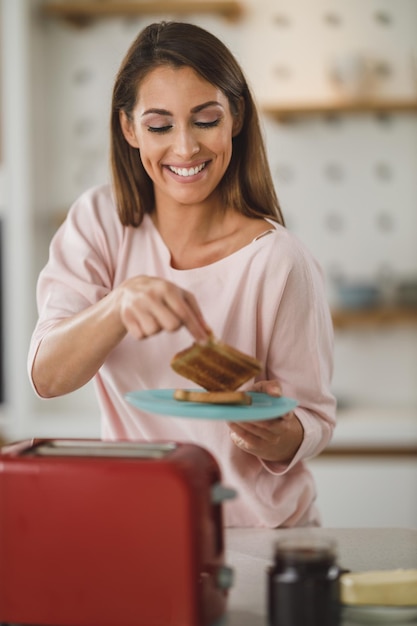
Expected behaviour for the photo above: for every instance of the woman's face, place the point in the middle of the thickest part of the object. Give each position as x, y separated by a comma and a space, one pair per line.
183, 128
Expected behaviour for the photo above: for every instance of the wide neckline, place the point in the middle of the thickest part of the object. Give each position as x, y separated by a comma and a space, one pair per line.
256, 240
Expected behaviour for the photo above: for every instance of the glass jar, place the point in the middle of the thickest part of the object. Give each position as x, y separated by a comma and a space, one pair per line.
303, 583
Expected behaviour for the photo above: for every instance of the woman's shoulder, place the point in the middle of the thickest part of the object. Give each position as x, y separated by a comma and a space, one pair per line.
93, 218
286, 243
284, 249
95, 202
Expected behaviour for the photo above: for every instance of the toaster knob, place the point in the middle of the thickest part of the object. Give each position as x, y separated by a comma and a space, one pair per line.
224, 577
219, 493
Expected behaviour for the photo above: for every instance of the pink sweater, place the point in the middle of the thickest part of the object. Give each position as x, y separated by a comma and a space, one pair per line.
267, 299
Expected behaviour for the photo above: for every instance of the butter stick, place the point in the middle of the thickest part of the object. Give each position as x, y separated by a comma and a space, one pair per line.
384, 587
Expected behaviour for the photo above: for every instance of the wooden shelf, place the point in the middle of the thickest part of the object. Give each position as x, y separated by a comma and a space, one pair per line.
374, 317
305, 109
371, 452
81, 13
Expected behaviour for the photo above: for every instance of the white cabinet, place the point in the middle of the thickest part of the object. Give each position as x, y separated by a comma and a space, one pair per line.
366, 491
368, 476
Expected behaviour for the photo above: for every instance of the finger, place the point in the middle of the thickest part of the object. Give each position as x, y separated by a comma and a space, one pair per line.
187, 311
244, 443
146, 317
164, 307
251, 443
163, 317
271, 387
273, 425
199, 315
252, 431
288, 416
159, 319
131, 323
244, 427
140, 326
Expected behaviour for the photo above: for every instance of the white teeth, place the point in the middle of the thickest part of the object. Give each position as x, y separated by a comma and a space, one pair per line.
183, 171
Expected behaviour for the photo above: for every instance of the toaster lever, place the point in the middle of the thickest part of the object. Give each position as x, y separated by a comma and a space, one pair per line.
219, 493
224, 577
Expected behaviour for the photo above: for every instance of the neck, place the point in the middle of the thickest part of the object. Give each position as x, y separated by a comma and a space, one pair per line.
196, 224
194, 235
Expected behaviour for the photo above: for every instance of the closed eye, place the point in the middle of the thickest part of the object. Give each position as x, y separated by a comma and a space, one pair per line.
208, 124
168, 127
159, 129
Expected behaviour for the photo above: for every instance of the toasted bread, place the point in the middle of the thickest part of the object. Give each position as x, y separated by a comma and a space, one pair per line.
213, 397
215, 366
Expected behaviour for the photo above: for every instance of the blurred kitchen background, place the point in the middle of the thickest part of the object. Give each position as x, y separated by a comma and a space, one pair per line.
336, 83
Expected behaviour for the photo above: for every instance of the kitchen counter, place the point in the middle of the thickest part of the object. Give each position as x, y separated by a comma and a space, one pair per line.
250, 552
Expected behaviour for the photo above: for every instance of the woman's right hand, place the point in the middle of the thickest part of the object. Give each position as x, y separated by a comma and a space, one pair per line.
149, 305
72, 352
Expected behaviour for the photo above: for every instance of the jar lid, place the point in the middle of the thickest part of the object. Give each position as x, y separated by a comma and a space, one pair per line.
305, 548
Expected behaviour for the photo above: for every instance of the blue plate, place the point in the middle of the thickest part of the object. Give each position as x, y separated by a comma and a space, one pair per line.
162, 401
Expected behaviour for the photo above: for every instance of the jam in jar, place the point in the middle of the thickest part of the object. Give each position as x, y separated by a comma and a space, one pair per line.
303, 583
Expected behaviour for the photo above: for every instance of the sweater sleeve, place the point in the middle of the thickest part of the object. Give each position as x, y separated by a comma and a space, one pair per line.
300, 352
79, 271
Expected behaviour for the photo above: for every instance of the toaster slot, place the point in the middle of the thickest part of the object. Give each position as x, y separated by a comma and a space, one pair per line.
116, 449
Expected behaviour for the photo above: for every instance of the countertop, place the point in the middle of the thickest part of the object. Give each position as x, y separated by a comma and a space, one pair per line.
250, 551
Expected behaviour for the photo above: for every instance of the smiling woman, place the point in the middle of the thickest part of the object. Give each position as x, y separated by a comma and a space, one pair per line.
189, 143
180, 46
174, 247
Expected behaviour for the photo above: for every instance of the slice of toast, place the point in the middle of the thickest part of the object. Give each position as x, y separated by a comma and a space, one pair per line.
215, 366
213, 397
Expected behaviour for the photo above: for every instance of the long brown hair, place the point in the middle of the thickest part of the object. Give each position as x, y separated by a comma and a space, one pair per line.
247, 184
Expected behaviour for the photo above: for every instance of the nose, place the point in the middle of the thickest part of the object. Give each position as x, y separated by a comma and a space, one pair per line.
186, 144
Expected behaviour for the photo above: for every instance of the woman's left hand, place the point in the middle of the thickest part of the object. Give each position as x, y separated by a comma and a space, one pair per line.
273, 439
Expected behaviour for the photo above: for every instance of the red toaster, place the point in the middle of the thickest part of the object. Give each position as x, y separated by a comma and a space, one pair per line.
111, 534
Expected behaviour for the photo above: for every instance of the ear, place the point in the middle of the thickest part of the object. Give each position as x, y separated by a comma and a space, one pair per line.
128, 129
238, 118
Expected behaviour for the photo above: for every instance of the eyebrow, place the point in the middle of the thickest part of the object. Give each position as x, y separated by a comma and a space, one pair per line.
195, 109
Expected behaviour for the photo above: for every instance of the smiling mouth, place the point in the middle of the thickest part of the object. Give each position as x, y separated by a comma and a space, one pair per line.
187, 171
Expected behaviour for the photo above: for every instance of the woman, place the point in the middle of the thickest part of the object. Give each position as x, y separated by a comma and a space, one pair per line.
189, 237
